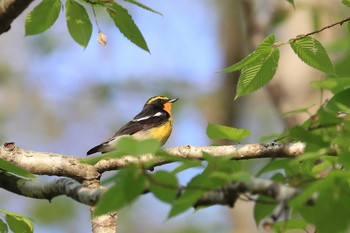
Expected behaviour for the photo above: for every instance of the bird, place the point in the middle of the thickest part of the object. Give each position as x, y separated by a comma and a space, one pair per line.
154, 121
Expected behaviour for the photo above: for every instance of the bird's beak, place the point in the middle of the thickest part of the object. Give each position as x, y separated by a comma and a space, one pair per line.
173, 100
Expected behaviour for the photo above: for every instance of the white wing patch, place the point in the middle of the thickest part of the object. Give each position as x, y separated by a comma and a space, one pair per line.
158, 114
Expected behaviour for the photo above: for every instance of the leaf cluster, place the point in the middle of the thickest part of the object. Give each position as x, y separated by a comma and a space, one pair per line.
79, 25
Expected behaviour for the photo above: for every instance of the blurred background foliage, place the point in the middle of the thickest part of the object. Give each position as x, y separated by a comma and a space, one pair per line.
58, 97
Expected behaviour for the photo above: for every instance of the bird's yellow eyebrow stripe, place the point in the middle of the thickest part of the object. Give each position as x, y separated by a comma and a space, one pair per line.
157, 98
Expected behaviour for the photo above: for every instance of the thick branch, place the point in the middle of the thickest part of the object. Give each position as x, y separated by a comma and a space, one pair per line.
48, 190
239, 152
43, 163
9, 11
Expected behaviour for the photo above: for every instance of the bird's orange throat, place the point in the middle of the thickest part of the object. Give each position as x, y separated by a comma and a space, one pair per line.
167, 107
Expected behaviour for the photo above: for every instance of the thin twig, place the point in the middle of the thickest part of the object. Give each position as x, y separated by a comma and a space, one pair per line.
320, 30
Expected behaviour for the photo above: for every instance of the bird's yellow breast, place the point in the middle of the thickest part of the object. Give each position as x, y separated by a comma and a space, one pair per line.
160, 133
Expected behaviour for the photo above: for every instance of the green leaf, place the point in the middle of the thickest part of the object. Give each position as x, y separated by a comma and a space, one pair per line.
186, 165
274, 165
261, 51
126, 25
3, 227
299, 133
164, 186
143, 6
18, 222
131, 146
331, 206
346, 3
258, 74
297, 224
78, 23
263, 207
312, 52
10, 167
190, 196
42, 17
224, 132
291, 2
341, 98
130, 184
334, 84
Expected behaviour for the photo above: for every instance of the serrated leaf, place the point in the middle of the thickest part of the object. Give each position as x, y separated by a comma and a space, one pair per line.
130, 184
163, 185
261, 51
224, 132
10, 167
258, 73
42, 17
143, 6
126, 25
78, 23
312, 52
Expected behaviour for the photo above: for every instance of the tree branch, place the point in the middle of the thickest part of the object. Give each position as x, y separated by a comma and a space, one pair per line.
51, 189
238, 152
9, 11
43, 163
228, 194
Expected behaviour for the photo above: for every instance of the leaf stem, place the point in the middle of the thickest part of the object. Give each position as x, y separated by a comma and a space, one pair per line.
95, 18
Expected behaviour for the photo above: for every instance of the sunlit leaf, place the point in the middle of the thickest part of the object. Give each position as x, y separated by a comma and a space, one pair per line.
224, 132
261, 51
78, 22
258, 73
42, 17
126, 25
312, 52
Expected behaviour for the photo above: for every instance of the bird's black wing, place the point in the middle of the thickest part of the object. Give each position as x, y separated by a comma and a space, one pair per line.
142, 122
